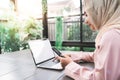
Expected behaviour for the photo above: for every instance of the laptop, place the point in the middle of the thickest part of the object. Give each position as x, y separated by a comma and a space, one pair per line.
43, 54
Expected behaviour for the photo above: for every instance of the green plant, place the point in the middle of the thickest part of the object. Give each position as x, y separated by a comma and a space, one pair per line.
32, 29
10, 33
12, 41
2, 34
44, 6
88, 49
74, 32
71, 48
11, 30
88, 34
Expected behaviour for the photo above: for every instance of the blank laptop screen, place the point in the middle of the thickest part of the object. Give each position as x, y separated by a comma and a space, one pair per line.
41, 50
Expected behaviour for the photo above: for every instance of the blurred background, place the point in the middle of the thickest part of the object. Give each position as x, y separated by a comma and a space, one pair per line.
60, 21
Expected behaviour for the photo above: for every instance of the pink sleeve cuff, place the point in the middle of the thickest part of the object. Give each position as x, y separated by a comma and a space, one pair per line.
72, 65
72, 70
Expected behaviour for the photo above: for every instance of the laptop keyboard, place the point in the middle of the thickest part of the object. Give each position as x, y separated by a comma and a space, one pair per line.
51, 64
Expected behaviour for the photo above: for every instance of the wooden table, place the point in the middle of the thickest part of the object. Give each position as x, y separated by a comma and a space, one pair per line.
19, 65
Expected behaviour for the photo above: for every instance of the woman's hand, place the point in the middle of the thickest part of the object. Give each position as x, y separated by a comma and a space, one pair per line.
65, 60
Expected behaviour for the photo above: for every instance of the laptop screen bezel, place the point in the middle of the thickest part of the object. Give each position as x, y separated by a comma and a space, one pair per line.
37, 63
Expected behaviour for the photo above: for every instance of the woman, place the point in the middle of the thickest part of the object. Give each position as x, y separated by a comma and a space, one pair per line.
104, 16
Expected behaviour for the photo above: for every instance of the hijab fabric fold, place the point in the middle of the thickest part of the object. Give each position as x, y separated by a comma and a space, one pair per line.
104, 14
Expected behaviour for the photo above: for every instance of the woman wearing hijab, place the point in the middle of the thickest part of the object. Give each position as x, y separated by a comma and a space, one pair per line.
104, 16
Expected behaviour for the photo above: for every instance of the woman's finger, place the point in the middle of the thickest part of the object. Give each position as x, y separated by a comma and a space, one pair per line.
66, 56
56, 58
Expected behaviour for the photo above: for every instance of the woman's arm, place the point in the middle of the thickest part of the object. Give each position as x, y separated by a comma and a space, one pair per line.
85, 56
78, 72
106, 59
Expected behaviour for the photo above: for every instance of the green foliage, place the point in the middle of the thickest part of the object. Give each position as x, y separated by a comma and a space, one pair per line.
88, 49
12, 41
44, 6
3, 31
74, 32
15, 33
71, 48
33, 30
10, 33
87, 34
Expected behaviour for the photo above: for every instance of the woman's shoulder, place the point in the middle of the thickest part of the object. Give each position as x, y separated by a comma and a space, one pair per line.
111, 35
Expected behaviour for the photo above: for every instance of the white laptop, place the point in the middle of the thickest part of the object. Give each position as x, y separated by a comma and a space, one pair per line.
43, 54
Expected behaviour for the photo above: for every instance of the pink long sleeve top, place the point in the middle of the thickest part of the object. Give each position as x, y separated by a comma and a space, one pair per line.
106, 58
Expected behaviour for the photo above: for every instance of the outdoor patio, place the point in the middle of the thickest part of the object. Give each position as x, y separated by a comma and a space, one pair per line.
59, 21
